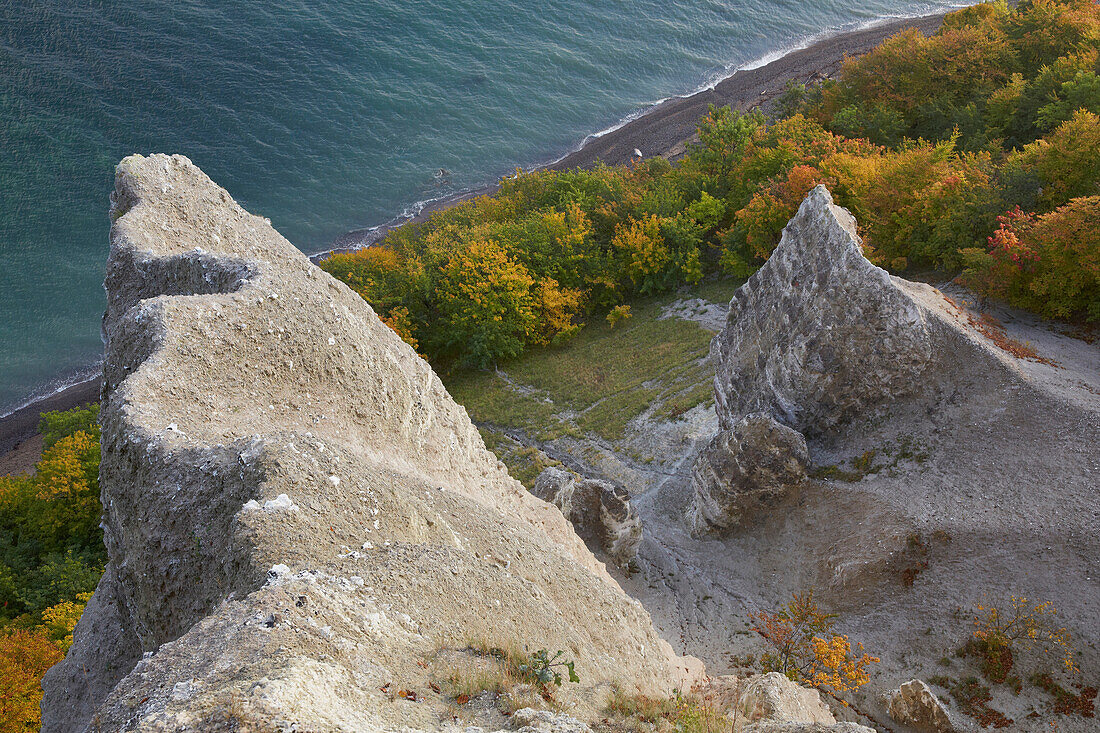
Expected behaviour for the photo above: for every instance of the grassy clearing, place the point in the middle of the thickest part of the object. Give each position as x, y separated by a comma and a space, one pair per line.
490, 400
719, 290
602, 379
602, 362
677, 404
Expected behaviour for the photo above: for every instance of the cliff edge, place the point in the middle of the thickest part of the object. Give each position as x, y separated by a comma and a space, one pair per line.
297, 515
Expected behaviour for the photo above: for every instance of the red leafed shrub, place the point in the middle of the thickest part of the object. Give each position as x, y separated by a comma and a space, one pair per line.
1049, 264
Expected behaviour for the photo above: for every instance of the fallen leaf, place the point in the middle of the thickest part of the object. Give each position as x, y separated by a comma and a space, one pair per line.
434, 686
385, 687
462, 699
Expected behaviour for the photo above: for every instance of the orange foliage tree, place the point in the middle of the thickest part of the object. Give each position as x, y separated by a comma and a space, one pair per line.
802, 645
24, 658
1049, 264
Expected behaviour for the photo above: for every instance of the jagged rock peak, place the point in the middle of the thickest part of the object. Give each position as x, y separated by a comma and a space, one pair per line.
298, 517
818, 334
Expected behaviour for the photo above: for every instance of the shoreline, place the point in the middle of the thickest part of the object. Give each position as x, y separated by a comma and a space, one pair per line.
21, 425
664, 130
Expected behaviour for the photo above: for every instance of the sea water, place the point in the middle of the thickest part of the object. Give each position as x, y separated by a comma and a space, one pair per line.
324, 116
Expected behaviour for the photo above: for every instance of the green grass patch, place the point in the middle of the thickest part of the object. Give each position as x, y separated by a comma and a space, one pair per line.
489, 399
681, 402
602, 379
609, 417
719, 290
602, 362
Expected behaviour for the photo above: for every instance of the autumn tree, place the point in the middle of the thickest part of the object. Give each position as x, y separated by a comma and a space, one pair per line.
484, 304
1066, 163
51, 557
1000, 632
24, 658
801, 644
1049, 264
656, 254
51, 547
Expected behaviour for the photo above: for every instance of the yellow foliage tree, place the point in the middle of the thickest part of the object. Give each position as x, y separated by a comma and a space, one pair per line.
647, 259
66, 490
484, 302
59, 621
1023, 623
557, 307
1067, 161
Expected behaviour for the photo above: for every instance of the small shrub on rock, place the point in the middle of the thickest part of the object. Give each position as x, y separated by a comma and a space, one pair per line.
543, 668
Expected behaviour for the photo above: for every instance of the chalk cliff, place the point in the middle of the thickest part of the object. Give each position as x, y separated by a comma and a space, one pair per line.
819, 338
950, 458
297, 514
818, 334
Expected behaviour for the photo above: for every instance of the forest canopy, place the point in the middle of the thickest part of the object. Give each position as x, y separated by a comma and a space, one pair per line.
972, 152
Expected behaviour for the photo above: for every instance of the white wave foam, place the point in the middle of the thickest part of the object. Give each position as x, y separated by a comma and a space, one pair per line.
55, 387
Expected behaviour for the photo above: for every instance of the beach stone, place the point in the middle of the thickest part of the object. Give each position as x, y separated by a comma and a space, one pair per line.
599, 511
914, 704
818, 334
296, 513
751, 467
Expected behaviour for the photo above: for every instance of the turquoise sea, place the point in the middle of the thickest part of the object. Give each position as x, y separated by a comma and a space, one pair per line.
324, 116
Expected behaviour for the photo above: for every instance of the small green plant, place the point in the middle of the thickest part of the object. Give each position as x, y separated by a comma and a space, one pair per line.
544, 669
617, 314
